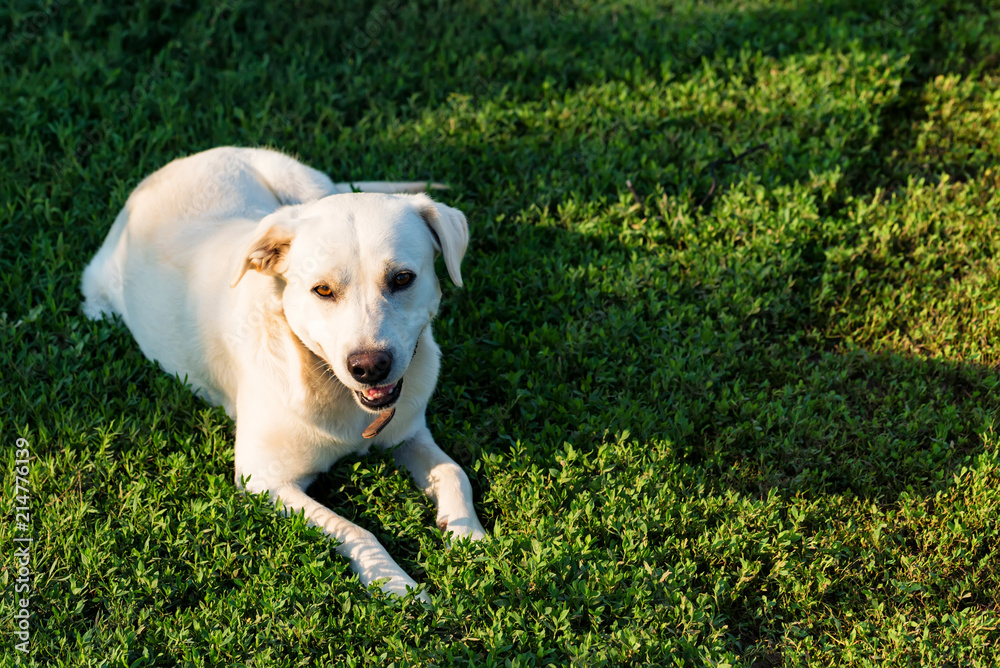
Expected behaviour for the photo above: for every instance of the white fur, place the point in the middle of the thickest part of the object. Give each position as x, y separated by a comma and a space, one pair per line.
212, 265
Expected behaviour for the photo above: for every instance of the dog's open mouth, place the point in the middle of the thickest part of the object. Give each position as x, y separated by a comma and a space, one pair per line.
382, 396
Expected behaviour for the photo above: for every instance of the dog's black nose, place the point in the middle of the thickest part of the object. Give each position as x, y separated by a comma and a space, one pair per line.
370, 367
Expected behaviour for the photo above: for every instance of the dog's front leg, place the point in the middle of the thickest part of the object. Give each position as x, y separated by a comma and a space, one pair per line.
444, 482
367, 556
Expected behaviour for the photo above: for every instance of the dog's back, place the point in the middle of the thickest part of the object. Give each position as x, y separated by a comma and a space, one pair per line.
188, 199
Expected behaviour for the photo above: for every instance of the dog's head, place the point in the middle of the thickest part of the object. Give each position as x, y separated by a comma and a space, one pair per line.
357, 280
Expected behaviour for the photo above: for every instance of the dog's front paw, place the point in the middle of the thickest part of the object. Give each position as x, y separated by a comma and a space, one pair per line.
401, 586
463, 527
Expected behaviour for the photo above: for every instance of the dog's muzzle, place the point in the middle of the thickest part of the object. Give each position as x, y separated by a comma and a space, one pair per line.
384, 396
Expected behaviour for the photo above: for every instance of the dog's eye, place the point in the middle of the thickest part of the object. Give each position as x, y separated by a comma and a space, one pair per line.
323, 291
402, 279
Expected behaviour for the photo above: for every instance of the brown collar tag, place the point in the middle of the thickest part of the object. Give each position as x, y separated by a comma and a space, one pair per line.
379, 424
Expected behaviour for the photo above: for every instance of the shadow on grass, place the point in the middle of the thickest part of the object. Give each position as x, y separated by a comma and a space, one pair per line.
763, 398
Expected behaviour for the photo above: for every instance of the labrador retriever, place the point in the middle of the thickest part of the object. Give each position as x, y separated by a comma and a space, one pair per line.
303, 308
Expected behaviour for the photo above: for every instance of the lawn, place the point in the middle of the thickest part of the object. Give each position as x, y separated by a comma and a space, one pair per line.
718, 408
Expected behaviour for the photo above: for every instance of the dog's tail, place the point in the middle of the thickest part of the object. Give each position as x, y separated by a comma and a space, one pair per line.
291, 182
102, 284
388, 187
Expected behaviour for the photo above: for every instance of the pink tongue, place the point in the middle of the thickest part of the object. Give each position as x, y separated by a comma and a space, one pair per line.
379, 392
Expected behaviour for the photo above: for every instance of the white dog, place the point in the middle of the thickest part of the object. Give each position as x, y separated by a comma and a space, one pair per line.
305, 310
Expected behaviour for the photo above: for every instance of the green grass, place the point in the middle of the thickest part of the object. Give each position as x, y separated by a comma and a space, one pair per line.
760, 432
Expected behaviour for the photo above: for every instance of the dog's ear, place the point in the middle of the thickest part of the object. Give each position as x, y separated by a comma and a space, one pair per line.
268, 248
450, 232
